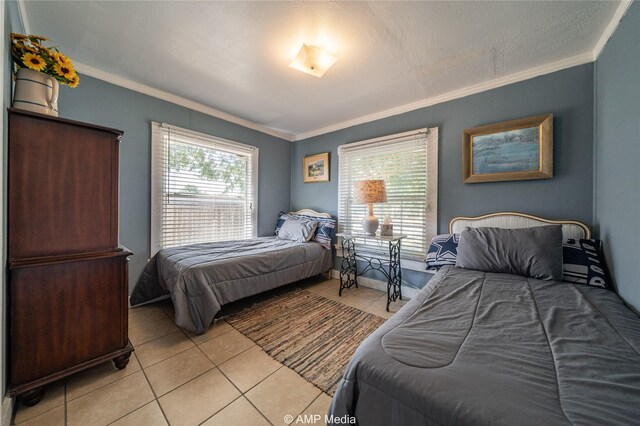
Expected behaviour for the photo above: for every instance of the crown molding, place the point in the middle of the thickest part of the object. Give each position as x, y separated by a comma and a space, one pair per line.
22, 12
178, 100
493, 84
160, 94
611, 28
456, 94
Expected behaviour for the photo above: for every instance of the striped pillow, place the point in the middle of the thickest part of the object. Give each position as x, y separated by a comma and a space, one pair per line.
324, 232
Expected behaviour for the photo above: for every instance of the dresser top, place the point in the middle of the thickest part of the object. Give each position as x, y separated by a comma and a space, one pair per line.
17, 111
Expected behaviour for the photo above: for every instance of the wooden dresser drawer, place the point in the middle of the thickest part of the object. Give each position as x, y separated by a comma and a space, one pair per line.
66, 313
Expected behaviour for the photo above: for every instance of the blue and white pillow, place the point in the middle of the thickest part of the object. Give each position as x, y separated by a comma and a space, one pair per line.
583, 263
297, 230
324, 232
443, 250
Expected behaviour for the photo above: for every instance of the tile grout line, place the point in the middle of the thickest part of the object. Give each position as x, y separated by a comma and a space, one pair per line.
187, 336
98, 388
145, 322
188, 381
310, 404
17, 407
171, 356
242, 394
252, 387
265, 378
215, 366
131, 412
156, 398
225, 406
102, 387
204, 341
13, 423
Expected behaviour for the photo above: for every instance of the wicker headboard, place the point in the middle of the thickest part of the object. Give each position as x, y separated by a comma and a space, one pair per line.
313, 213
513, 220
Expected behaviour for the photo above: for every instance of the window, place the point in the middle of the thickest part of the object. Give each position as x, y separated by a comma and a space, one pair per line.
202, 188
408, 163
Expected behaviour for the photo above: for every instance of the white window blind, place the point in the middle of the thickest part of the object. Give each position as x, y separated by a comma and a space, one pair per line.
203, 188
408, 163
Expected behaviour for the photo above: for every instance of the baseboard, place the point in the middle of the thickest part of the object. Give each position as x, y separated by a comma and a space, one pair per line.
407, 292
7, 411
157, 299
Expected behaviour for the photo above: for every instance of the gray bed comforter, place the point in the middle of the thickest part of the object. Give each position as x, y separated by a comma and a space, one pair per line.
483, 348
202, 277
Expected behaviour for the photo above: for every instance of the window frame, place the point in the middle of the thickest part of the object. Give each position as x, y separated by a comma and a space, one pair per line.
158, 168
431, 190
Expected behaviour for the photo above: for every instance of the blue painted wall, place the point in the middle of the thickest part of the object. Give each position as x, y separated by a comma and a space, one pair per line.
568, 94
102, 103
617, 183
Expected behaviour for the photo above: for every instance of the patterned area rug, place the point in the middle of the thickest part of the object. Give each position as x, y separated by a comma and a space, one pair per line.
310, 334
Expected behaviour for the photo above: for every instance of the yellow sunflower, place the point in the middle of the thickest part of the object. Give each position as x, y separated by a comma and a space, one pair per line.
64, 60
64, 70
33, 61
17, 36
56, 56
74, 81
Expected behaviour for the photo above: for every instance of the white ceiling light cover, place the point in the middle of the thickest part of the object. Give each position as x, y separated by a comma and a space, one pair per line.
313, 60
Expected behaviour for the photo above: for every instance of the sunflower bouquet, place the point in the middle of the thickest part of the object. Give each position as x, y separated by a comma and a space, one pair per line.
28, 52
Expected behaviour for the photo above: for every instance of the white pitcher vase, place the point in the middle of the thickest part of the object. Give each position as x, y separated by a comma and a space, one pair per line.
36, 92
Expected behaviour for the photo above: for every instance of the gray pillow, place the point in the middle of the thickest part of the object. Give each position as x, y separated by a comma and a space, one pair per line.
530, 252
297, 230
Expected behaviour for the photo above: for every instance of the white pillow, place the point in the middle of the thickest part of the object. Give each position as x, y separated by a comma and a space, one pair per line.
297, 230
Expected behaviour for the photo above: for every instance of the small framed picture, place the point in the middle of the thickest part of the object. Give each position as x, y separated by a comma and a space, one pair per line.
512, 150
315, 168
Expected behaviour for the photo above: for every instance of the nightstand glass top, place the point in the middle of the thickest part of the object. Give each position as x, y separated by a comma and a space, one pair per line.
376, 237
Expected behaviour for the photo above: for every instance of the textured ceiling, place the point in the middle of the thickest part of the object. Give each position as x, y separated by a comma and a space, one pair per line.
233, 56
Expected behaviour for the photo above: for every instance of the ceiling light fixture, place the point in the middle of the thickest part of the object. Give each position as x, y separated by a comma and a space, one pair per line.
312, 60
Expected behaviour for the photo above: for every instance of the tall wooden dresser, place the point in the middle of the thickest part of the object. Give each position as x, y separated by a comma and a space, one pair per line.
67, 274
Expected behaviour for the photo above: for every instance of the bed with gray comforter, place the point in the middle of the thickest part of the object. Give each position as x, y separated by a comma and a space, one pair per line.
491, 348
200, 278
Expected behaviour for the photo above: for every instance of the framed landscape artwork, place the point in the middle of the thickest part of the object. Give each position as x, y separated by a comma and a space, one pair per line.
315, 168
512, 150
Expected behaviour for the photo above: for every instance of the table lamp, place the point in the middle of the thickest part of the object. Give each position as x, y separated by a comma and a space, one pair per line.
369, 192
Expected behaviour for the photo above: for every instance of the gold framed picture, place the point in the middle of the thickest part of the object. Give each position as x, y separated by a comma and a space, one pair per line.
316, 168
519, 149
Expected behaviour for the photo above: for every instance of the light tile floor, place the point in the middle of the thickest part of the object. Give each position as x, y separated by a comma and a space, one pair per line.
178, 378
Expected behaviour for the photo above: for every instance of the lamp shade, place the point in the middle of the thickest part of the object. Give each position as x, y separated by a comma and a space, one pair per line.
370, 191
